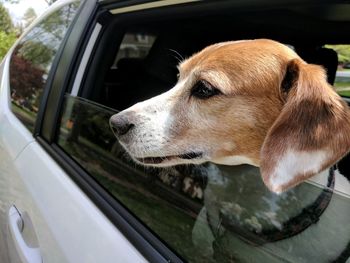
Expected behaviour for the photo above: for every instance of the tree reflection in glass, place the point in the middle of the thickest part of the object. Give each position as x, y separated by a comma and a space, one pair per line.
32, 59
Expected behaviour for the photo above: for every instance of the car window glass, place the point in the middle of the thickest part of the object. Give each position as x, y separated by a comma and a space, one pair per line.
32, 59
206, 213
342, 80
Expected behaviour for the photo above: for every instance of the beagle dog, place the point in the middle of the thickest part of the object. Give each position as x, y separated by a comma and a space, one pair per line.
242, 102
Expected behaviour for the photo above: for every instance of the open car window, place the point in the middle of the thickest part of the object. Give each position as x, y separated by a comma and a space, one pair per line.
204, 213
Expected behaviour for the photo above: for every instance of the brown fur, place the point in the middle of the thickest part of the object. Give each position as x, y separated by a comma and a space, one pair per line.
313, 117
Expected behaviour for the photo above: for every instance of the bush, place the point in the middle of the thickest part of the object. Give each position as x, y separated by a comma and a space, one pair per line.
6, 41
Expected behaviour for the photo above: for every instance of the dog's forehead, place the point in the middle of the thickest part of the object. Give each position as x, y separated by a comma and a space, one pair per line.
236, 54
239, 66
203, 57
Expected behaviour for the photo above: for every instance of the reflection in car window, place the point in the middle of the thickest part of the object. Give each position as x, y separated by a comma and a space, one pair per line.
31, 62
206, 213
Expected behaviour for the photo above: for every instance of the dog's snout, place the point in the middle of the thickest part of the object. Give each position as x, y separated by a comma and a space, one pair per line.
120, 124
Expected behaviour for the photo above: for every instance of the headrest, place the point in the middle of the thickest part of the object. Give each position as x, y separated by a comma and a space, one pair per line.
129, 63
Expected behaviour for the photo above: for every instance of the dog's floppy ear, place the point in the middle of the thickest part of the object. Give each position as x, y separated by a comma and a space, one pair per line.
311, 133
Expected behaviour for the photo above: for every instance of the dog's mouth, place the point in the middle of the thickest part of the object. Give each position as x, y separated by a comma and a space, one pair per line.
159, 160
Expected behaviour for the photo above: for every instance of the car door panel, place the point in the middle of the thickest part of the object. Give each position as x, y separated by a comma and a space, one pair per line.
58, 218
13, 139
67, 223
69, 227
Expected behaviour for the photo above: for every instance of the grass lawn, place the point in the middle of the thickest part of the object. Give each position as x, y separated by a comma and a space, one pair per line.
26, 116
344, 93
340, 85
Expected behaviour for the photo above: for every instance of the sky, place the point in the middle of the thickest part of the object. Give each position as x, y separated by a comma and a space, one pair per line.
17, 10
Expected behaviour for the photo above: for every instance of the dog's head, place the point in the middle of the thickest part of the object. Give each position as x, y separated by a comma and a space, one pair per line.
254, 102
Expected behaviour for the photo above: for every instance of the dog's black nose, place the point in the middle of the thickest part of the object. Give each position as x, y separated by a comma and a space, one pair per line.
120, 124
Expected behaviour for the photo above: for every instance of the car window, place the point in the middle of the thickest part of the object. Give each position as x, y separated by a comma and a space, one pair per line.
205, 213
342, 80
32, 59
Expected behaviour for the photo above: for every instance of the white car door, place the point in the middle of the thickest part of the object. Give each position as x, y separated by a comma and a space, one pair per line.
44, 216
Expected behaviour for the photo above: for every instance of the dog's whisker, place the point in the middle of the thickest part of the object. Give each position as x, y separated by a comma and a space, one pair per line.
178, 56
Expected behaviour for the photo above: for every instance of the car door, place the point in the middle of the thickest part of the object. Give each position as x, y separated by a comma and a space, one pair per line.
44, 216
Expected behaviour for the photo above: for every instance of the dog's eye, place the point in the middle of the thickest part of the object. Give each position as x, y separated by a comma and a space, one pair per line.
204, 90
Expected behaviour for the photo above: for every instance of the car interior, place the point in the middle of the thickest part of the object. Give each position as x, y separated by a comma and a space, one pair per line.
190, 32
136, 58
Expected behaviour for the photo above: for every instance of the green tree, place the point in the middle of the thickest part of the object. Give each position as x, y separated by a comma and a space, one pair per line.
7, 35
6, 41
5, 20
37, 53
29, 16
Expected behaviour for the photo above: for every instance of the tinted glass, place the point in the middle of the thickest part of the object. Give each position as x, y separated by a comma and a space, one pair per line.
32, 59
208, 213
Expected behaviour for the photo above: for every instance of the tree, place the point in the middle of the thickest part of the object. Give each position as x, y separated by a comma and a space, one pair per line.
5, 20
29, 16
7, 35
31, 77
37, 53
6, 41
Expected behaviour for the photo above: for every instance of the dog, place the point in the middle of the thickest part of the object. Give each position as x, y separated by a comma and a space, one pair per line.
242, 102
